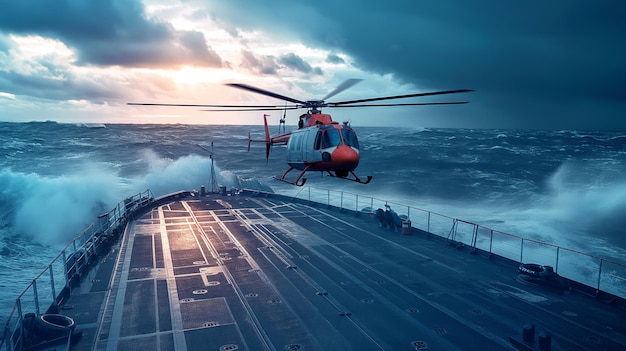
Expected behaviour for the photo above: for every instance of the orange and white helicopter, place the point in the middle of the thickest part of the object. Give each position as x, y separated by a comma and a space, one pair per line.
319, 144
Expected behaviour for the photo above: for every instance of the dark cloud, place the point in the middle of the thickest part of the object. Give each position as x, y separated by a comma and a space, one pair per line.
296, 63
108, 32
261, 65
63, 86
271, 65
547, 64
334, 59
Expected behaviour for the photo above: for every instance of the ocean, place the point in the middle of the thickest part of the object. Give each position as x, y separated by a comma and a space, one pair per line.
562, 187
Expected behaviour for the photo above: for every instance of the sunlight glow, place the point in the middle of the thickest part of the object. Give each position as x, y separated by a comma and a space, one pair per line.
99, 93
35, 46
7, 95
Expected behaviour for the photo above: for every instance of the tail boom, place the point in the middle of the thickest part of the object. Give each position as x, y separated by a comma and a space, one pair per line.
269, 140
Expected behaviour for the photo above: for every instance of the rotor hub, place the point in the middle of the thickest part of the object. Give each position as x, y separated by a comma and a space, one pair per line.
314, 105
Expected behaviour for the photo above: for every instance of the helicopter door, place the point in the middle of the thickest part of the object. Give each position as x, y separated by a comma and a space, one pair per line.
295, 149
308, 146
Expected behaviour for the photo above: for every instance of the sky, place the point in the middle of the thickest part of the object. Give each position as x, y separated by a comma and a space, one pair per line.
532, 64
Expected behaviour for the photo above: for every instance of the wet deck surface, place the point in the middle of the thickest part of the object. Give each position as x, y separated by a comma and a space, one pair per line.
254, 273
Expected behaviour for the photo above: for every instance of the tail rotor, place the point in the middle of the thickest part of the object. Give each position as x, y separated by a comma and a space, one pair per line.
267, 140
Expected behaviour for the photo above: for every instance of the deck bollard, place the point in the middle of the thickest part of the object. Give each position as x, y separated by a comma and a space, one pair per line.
544, 341
528, 334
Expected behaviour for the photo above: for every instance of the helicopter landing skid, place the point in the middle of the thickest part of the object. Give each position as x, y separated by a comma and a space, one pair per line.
355, 179
297, 181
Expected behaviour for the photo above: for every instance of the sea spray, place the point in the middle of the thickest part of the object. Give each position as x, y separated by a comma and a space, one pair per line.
54, 209
189, 172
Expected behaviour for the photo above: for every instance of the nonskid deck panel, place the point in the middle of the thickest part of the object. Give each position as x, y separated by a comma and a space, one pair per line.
248, 273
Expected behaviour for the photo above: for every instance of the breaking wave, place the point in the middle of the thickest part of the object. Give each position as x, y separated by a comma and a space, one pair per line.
584, 199
54, 209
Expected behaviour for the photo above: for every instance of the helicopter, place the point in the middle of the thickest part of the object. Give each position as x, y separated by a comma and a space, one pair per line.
319, 144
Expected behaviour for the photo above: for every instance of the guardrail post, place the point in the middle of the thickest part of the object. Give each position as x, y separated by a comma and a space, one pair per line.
327, 198
20, 313
18, 303
490, 241
54, 293
521, 252
556, 268
356, 205
309, 194
36, 296
475, 236
428, 225
6, 338
600, 274
452, 232
67, 279
341, 205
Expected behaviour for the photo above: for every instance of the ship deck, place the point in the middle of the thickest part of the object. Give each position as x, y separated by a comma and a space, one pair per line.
264, 273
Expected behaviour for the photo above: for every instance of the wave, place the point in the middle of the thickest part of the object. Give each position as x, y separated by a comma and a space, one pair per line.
593, 202
580, 208
53, 209
90, 125
166, 175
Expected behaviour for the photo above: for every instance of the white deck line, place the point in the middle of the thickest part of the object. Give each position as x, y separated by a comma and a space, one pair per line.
180, 343
118, 306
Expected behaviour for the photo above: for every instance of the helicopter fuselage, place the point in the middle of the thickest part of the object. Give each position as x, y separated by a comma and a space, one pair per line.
324, 147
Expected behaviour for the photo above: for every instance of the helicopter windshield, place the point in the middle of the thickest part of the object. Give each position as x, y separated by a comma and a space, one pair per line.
330, 137
349, 137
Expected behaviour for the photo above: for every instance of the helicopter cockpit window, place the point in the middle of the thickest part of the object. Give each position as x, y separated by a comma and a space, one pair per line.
318, 140
330, 138
349, 137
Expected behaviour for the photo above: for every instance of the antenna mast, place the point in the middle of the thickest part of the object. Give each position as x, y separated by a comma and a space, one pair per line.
213, 182
213, 177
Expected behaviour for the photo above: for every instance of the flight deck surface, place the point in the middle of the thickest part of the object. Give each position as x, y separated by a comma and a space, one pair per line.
264, 273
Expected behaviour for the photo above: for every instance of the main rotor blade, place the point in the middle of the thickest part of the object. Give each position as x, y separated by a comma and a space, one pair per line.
416, 104
264, 92
256, 109
332, 104
343, 86
196, 105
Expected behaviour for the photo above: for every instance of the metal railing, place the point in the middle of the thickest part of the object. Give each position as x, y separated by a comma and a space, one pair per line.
55, 281
595, 272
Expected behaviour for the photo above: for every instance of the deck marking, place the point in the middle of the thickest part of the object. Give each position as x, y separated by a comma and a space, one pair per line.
156, 299
107, 313
118, 306
180, 343
229, 278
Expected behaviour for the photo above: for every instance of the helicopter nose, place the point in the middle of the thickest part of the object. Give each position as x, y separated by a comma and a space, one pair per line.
345, 157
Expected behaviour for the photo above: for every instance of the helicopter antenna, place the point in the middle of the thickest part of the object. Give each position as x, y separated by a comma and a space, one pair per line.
213, 181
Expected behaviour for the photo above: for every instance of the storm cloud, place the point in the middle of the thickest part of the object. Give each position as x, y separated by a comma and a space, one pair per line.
109, 32
543, 64
555, 64
296, 62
